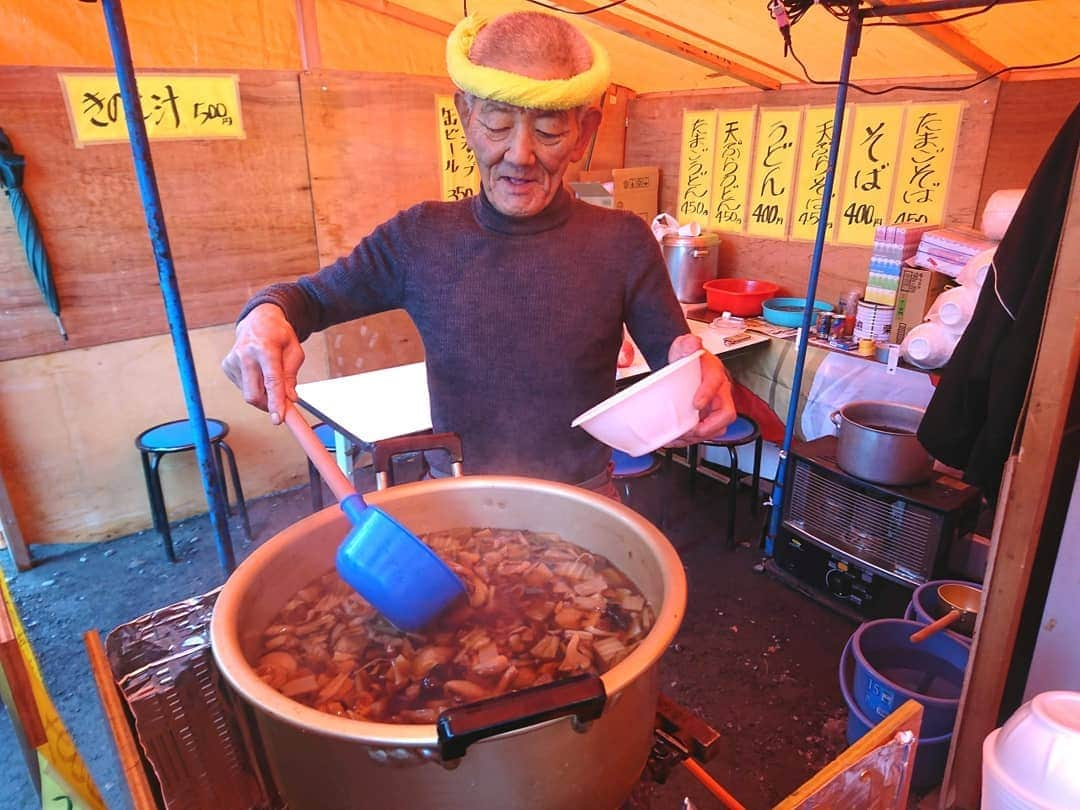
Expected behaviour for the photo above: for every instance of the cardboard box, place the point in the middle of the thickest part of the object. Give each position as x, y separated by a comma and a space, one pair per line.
634, 189
914, 294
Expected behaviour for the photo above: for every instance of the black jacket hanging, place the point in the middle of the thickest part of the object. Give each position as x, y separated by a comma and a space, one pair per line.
971, 419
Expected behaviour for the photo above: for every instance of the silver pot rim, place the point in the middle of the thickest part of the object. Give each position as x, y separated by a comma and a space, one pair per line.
241, 676
910, 411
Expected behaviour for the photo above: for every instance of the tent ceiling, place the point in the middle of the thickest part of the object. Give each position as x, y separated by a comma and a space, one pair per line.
742, 31
655, 45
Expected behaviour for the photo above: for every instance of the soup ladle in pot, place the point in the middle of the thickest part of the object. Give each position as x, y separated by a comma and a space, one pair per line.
382, 560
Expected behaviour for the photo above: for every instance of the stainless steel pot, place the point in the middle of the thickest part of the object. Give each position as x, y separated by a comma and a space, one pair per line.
691, 261
320, 761
877, 443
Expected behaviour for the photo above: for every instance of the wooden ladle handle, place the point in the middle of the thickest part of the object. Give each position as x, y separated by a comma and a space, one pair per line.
936, 626
331, 473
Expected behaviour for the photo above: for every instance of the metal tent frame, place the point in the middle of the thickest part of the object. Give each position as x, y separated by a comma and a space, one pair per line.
856, 17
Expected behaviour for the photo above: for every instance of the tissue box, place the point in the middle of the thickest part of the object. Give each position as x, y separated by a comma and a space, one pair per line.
915, 293
634, 189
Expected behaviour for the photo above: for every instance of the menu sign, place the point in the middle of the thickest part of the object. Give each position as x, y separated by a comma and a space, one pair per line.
817, 136
771, 189
926, 158
868, 176
457, 171
696, 165
731, 169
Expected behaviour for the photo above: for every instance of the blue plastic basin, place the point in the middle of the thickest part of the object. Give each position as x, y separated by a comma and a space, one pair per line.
930, 756
890, 669
789, 311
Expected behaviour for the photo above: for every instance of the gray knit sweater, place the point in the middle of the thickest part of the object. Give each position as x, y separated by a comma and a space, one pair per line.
520, 318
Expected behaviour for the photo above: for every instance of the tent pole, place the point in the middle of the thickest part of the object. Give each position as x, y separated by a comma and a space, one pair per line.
174, 309
851, 47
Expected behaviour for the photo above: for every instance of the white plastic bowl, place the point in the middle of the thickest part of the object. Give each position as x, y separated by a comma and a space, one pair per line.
1033, 761
651, 412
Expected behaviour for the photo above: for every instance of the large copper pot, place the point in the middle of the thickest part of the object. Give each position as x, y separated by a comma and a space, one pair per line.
321, 761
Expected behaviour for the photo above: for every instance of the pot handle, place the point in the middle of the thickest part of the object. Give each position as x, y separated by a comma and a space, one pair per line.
582, 696
835, 418
385, 450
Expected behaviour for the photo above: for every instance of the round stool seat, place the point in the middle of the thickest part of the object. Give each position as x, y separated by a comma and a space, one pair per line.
740, 431
175, 436
325, 434
628, 466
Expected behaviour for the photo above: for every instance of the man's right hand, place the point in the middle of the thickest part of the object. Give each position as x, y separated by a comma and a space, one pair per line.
264, 360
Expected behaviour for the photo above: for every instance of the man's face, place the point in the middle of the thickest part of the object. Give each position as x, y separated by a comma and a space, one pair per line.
523, 154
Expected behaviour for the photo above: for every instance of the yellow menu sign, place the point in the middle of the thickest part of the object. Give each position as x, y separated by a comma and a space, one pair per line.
774, 170
695, 166
731, 169
813, 166
174, 107
457, 169
871, 166
65, 782
926, 156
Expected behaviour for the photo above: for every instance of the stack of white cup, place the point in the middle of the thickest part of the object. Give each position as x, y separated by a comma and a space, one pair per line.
930, 344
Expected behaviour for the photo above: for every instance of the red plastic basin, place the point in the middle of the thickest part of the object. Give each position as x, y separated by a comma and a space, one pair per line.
739, 296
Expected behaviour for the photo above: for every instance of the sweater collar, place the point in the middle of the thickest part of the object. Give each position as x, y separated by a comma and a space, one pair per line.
556, 214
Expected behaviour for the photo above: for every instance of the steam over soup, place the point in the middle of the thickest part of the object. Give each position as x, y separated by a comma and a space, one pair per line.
539, 609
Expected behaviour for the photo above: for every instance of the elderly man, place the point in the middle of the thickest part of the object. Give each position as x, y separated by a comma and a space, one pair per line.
519, 293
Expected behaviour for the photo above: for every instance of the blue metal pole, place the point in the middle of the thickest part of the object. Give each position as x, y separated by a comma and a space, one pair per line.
174, 309
851, 47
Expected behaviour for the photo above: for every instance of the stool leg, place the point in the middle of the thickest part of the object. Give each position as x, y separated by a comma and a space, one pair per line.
315, 483
160, 517
733, 489
757, 477
237, 489
692, 462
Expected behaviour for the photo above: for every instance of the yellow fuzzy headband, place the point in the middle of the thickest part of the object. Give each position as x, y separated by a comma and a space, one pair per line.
513, 88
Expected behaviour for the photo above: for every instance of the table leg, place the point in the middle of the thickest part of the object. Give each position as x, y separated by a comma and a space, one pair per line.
341, 453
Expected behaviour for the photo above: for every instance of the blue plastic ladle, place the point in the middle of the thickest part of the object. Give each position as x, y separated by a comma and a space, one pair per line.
382, 560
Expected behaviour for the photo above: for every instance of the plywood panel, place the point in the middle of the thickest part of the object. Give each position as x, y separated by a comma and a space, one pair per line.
238, 215
1028, 116
653, 139
373, 152
68, 423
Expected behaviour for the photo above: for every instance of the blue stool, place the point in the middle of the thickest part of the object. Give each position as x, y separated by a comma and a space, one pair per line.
628, 468
177, 437
326, 435
742, 431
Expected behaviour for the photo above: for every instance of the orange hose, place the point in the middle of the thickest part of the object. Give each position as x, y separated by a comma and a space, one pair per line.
714, 787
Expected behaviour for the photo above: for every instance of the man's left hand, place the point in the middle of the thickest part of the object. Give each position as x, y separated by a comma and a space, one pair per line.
713, 396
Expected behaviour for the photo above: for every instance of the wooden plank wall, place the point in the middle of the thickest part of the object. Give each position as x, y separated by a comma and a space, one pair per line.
653, 140
372, 151
238, 214
1028, 116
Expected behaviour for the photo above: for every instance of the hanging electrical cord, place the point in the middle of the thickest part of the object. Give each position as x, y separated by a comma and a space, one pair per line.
577, 13
853, 86
788, 12
841, 10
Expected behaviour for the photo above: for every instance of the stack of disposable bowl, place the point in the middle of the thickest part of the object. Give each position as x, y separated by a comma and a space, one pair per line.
1033, 761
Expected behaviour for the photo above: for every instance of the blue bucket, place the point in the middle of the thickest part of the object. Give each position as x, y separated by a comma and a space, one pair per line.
925, 607
890, 669
932, 753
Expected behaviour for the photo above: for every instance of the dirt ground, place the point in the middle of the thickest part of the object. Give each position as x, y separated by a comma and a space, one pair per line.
754, 659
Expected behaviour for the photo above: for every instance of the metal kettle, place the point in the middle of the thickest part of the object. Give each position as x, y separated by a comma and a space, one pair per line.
691, 261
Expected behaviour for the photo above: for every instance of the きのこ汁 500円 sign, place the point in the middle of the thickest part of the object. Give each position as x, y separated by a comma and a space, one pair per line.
192, 107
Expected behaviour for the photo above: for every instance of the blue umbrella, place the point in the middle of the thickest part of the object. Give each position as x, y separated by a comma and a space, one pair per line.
11, 178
